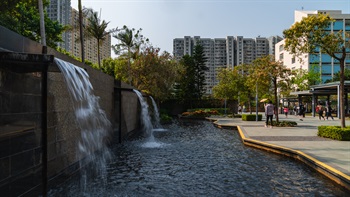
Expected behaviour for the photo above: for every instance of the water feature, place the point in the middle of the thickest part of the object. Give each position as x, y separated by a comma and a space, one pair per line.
156, 121
201, 160
92, 121
147, 127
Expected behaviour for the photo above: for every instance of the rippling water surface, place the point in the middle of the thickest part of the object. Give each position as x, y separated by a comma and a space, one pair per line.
201, 160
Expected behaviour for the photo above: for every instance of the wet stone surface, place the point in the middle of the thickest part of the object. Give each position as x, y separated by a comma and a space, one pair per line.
200, 160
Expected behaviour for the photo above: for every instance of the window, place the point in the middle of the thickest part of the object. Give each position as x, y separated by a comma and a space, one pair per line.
281, 47
338, 25
326, 69
347, 24
281, 56
326, 58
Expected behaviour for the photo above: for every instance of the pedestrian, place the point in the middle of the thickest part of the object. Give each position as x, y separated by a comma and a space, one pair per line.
319, 110
295, 110
329, 111
285, 110
269, 111
301, 111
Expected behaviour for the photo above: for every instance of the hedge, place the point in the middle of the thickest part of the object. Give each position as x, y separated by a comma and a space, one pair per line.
251, 117
284, 123
334, 132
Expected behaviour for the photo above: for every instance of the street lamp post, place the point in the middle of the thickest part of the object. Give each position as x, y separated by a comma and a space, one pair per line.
256, 100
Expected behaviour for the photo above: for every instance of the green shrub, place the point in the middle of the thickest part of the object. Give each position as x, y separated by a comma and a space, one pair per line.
334, 132
237, 115
251, 117
219, 110
284, 123
165, 119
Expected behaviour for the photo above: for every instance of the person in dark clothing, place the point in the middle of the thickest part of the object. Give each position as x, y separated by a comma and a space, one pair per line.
319, 110
301, 111
329, 111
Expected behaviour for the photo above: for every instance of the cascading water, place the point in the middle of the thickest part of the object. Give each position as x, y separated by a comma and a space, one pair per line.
92, 120
156, 114
146, 123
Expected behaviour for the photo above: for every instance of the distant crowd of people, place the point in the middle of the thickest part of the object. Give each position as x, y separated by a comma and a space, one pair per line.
324, 112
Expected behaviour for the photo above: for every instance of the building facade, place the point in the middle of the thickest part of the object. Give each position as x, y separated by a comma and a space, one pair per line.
325, 64
61, 11
223, 53
90, 44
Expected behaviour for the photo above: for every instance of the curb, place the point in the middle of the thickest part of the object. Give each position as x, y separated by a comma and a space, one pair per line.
328, 171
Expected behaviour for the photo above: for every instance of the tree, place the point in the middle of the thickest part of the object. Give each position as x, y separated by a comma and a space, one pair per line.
337, 76
129, 40
269, 73
185, 89
24, 19
155, 73
303, 79
232, 85
199, 68
312, 35
118, 68
97, 29
229, 81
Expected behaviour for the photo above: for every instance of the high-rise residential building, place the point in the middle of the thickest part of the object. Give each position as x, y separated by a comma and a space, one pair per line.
273, 40
222, 52
90, 44
60, 10
328, 66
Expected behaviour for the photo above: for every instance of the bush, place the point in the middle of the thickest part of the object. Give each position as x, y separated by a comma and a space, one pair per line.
200, 113
210, 110
334, 132
237, 115
251, 117
165, 119
284, 123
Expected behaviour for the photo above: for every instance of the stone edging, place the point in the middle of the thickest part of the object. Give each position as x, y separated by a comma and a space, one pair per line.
328, 171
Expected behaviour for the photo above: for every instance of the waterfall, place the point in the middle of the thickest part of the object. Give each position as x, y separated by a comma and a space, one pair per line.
145, 117
91, 119
147, 124
156, 114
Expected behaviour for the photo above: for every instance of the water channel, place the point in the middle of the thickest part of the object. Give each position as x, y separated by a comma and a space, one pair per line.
201, 160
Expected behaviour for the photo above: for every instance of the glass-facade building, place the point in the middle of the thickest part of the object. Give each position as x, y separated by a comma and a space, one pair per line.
323, 62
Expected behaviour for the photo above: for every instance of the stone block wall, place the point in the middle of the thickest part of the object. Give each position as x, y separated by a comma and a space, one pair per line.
20, 119
20, 132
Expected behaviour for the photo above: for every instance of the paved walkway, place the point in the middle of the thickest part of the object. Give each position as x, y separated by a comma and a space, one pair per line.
301, 141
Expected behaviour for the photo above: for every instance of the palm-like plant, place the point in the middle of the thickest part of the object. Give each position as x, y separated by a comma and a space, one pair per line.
97, 29
129, 40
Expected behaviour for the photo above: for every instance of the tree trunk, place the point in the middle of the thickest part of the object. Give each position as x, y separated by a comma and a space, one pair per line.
129, 71
81, 32
341, 92
276, 99
98, 54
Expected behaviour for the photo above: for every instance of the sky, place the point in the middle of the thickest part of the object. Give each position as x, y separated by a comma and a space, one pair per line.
163, 20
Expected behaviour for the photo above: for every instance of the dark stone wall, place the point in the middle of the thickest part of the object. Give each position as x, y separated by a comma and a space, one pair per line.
20, 132
20, 120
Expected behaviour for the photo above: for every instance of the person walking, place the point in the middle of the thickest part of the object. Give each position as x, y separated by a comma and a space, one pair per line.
329, 111
269, 111
301, 111
285, 110
319, 110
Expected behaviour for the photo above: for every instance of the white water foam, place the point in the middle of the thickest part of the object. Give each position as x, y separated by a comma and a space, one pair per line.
91, 119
